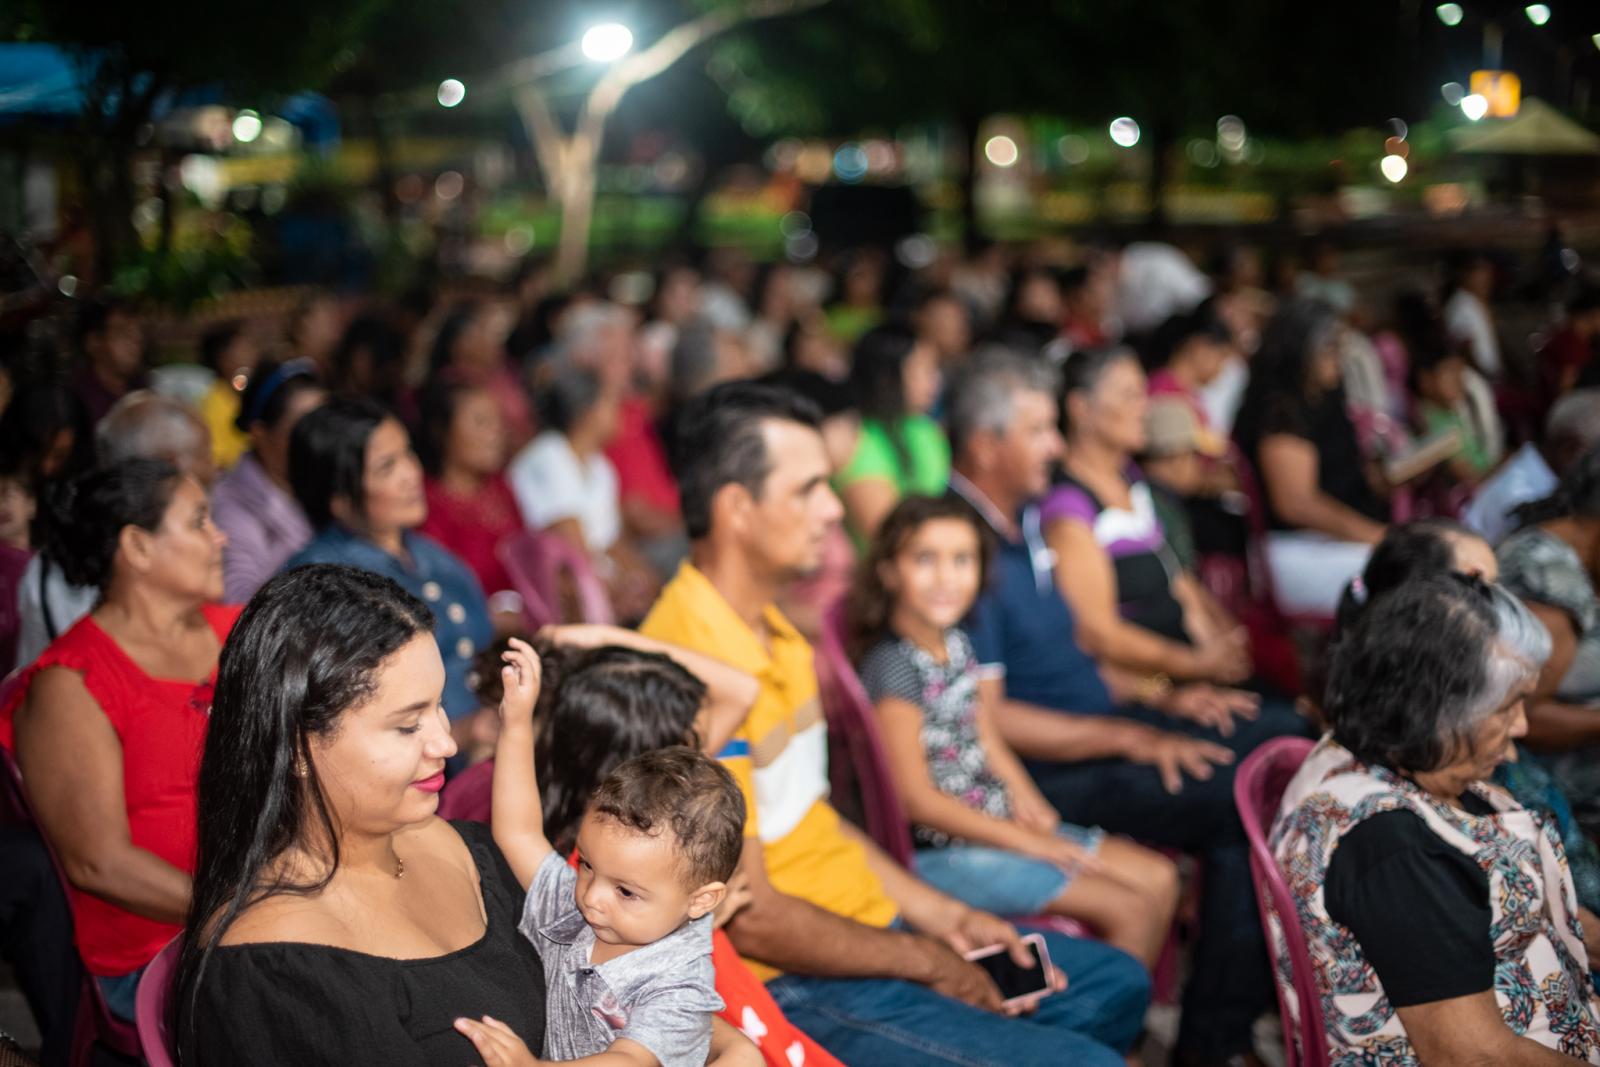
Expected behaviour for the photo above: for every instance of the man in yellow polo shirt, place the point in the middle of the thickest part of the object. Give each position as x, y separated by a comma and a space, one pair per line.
831, 917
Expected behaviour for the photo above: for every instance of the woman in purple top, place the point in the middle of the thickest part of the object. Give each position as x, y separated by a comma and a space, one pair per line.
252, 503
1137, 610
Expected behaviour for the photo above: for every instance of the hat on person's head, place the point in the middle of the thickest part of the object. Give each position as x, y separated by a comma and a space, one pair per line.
1170, 428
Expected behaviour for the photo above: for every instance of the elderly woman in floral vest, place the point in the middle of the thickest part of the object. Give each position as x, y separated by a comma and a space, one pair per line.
1440, 915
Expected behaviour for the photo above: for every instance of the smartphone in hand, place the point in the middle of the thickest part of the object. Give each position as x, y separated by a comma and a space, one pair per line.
1020, 986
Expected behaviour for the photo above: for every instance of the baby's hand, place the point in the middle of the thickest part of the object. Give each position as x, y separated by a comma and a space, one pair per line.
520, 679
496, 1042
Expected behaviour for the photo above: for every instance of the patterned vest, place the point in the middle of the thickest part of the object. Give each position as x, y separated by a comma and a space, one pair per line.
1541, 975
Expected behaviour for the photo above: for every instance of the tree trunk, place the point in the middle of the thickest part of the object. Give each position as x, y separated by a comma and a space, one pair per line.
577, 211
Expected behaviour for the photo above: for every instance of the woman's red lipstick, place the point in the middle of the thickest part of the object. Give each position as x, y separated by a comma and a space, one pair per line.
431, 784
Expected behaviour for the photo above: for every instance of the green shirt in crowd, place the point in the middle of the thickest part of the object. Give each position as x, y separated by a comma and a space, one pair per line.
921, 467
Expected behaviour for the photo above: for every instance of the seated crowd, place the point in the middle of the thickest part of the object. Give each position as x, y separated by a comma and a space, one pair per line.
1034, 542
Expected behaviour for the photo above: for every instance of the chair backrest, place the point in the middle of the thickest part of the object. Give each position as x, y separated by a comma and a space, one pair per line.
853, 727
1257, 790
468, 794
536, 562
520, 559
150, 1007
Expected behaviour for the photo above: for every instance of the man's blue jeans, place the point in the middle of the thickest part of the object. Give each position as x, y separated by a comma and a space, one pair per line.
871, 1021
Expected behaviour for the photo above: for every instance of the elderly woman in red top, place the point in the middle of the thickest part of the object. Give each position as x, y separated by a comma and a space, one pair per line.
109, 723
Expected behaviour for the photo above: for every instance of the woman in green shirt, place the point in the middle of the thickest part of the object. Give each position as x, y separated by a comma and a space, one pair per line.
902, 451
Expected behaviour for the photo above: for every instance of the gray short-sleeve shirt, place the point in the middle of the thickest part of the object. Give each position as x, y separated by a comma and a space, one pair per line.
661, 995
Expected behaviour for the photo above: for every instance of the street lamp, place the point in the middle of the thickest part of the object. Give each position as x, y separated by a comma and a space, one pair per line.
1450, 14
1538, 14
607, 41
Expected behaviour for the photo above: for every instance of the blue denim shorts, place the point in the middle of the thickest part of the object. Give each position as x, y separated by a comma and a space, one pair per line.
1000, 881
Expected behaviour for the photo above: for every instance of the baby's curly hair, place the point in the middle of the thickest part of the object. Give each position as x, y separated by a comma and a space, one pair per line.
688, 793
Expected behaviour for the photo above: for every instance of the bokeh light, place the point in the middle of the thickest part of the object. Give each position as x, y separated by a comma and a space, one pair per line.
1001, 151
246, 126
451, 92
1231, 133
1394, 167
449, 185
1124, 132
1074, 149
1474, 106
606, 42
1452, 93
1449, 14
1538, 14
850, 163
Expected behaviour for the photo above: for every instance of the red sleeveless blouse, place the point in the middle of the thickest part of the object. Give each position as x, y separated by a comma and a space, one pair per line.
162, 726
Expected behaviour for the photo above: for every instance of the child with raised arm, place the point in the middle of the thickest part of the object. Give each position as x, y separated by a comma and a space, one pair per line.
625, 938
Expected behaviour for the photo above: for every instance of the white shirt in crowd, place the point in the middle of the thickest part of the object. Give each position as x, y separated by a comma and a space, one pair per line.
552, 483
1222, 395
67, 603
1466, 318
1524, 478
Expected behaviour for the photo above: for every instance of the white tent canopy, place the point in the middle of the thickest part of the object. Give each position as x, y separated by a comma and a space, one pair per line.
1537, 130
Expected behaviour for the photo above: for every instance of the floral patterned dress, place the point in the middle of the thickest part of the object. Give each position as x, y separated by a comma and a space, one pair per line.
1541, 977
947, 693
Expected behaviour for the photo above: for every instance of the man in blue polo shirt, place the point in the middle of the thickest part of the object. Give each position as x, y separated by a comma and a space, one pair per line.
1103, 755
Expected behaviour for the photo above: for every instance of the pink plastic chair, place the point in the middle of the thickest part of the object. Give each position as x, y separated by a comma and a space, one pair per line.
94, 1021
1257, 790
536, 561
150, 1007
467, 795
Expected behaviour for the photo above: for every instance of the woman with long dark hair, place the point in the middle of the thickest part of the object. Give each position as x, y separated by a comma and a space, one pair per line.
896, 381
353, 471
107, 725
1322, 509
335, 919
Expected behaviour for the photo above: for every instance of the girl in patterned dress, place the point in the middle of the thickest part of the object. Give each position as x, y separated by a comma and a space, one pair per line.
984, 833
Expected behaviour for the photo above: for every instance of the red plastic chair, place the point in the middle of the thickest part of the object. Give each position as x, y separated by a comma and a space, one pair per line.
468, 794
536, 562
1257, 790
150, 1007
94, 1022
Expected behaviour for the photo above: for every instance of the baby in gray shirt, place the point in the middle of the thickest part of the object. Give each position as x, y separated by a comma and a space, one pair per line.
626, 937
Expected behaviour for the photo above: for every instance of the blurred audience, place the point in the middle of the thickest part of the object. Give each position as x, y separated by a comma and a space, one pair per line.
1320, 499
359, 483
254, 503
896, 381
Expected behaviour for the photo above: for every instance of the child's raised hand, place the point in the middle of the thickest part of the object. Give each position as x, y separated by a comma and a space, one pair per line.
497, 1043
520, 681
